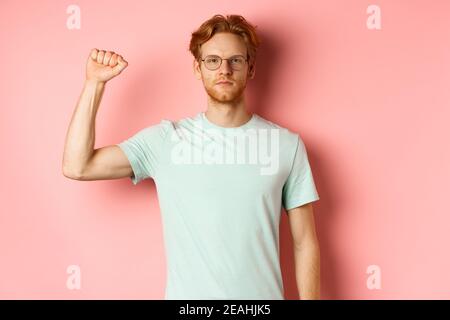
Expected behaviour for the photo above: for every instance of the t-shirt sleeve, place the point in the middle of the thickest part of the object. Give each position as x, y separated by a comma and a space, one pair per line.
144, 149
299, 188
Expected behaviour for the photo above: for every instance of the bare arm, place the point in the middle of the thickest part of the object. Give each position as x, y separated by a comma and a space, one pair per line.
306, 251
80, 160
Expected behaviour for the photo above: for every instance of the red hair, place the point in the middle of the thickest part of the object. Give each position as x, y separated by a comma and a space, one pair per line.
235, 24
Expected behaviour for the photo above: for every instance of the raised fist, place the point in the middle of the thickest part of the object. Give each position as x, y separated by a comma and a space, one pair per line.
104, 65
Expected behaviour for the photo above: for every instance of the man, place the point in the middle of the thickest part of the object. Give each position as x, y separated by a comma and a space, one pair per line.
220, 200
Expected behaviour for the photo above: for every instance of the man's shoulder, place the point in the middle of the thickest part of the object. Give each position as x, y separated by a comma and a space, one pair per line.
284, 132
156, 129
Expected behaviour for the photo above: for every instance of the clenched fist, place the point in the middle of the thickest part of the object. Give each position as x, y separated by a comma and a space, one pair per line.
104, 65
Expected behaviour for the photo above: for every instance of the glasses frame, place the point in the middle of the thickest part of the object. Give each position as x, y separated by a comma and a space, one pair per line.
221, 60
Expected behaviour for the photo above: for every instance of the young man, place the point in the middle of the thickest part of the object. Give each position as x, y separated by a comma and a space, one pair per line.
222, 176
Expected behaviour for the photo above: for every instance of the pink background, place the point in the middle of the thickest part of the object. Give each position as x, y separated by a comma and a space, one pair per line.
372, 107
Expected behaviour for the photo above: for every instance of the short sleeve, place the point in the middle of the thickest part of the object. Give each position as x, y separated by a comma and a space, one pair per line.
299, 188
144, 149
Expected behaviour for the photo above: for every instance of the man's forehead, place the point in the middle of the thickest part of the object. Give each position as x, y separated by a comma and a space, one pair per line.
223, 54
217, 46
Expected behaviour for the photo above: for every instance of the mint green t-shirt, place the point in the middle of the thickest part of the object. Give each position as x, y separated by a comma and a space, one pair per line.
221, 191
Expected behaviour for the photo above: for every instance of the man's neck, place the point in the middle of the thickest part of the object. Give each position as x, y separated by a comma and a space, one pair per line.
228, 114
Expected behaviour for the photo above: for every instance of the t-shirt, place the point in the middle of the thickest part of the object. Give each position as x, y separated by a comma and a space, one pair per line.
220, 192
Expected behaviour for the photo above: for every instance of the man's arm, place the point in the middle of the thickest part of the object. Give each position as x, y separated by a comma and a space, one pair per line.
80, 160
306, 251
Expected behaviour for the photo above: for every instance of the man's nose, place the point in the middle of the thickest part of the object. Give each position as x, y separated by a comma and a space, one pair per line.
225, 67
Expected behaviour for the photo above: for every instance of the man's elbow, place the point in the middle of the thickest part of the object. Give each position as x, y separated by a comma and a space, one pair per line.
71, 174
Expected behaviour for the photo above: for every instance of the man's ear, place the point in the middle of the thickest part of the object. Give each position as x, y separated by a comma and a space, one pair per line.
197, 71
252, 71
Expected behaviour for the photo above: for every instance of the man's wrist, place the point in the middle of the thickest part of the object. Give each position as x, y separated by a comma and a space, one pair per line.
94, 82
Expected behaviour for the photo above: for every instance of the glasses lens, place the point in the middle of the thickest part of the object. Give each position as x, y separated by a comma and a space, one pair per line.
212, 62
237, 62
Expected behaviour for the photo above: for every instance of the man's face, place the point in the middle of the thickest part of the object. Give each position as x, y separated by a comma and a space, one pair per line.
224, 45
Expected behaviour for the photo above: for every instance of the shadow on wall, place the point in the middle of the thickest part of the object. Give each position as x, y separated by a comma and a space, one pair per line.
258, 90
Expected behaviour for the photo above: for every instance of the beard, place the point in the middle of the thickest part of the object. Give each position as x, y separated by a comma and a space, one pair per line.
227, 94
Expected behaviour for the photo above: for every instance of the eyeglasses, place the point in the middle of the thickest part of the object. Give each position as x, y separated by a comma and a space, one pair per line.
213, 62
